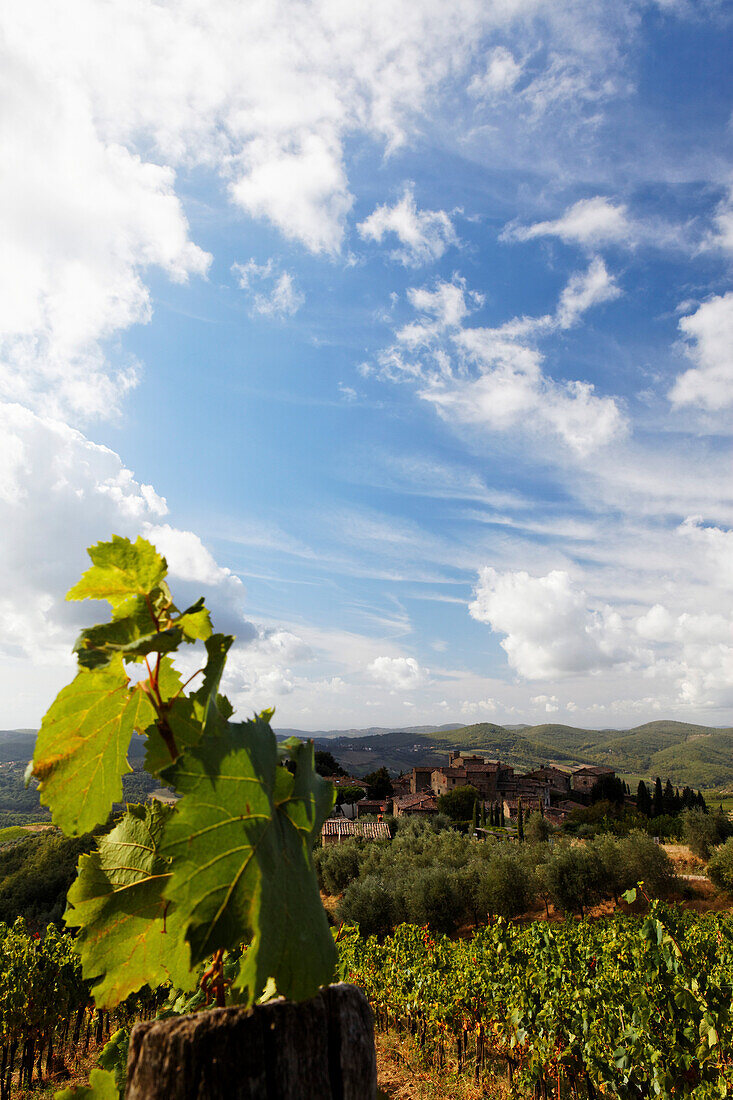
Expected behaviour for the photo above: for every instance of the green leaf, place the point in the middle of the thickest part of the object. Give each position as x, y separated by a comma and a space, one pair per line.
81, 748
97, 646
242, 868
195, 622
129, 934
114, 1056
101, 1086
188, 717
120, 569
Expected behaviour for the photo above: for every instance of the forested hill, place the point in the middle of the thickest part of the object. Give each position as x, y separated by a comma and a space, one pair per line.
698, 756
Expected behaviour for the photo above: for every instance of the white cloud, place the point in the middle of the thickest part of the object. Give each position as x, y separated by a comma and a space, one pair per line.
59, 494
278, 296
585, 290
589, 222
189, 560
717, 547
493, 377
96, 125
302, 189
424, 234
81, 221
723, 219
499, 77
550, 703
549, 629
397, 673
709, 331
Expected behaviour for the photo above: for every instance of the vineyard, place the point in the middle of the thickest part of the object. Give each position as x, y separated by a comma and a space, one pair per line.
629, 1007
47, 1017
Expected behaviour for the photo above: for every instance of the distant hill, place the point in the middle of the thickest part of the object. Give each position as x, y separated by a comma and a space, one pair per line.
371, 731
699, 756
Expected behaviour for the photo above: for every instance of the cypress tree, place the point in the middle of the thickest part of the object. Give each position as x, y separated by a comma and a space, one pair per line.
658, 799
474, 817
520, 821
502, 822
668, 797
541, 805
643, 801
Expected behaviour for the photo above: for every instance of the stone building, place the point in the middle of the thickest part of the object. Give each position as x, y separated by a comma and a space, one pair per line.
424, 802
584, 778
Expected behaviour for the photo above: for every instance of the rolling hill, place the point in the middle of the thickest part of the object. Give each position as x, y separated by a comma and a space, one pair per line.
699, 756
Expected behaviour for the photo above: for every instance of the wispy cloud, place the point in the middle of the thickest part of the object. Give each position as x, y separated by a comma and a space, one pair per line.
423, 234
272, 292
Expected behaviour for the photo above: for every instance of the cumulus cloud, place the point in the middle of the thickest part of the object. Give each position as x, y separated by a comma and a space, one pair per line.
709, 335
549, 703
397, 673
493, 377
277, 296
188, 558
550, 631
82, 220
423, 234
589, 222
59, 493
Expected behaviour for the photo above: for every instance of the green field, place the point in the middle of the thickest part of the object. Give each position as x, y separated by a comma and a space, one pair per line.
13, 832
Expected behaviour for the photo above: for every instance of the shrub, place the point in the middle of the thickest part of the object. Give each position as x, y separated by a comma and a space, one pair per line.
720, 867
337, 866
504, 886
703, 831
458, 804
434, 896
370, 903
575, 878
537, 829
644, 861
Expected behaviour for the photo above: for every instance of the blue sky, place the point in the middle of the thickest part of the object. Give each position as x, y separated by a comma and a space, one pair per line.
405, 330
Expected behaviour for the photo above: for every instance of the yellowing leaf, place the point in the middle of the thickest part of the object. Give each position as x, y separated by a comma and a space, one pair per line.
81, 748
120, 569
240, 842
129, 934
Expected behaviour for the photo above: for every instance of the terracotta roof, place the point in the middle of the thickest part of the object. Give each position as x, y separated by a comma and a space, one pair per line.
414, 799
367, 830
593, 769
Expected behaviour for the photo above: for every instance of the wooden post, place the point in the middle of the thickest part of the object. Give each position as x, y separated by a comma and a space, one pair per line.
322, 1049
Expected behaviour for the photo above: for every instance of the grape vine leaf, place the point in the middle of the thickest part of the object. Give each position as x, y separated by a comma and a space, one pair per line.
120, 569
81, 748
188, 716
241, 842
129, 934
102, 1086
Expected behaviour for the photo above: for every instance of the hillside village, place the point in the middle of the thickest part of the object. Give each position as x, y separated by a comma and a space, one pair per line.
557, 790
